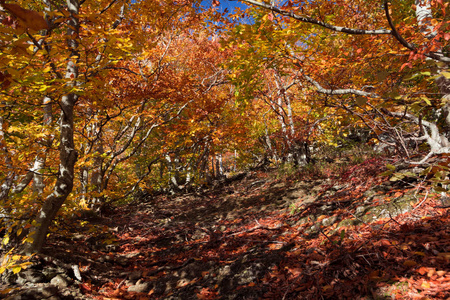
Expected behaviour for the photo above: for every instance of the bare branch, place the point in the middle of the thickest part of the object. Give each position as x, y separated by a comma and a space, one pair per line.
322, 90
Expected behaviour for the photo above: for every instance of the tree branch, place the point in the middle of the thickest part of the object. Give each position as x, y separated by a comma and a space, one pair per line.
434, 55
316, 22
322, 90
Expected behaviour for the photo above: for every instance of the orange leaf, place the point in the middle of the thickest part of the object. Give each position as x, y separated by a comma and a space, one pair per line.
398, 194
321, 217
422, 270
385, 242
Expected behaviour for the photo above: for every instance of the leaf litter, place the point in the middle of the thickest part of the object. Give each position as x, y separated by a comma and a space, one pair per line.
261, 237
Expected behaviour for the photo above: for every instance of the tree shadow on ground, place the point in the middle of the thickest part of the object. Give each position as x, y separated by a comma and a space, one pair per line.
262, 238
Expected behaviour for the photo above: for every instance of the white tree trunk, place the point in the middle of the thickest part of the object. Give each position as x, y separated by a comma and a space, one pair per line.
424, 16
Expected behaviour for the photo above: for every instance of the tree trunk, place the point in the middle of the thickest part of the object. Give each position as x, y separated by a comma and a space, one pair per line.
38, 180
68, 155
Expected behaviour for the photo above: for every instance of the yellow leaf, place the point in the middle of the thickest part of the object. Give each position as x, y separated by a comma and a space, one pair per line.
16, 257
29, 240
6, 240
425, 285
16, 269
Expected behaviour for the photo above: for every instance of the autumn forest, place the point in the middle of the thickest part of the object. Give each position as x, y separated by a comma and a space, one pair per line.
159, 149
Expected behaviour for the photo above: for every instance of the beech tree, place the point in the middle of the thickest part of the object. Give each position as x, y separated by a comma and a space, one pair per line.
362, 63
62, 52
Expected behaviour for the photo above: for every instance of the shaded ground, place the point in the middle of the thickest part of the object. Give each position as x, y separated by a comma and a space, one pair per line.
353, 234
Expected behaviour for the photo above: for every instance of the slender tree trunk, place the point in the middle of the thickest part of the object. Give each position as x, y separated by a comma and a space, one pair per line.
38, 179
6, 160
68, 155
219, 166
267, 140
171, 168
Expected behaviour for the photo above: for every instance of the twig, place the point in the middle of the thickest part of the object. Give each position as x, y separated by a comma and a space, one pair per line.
392, 219
425, 198
122, 282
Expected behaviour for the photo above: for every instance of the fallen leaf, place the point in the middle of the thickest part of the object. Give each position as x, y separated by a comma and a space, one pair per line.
425, 285
422, 270
409, 263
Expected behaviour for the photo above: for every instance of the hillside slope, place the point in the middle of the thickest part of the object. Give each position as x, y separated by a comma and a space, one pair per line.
315, 234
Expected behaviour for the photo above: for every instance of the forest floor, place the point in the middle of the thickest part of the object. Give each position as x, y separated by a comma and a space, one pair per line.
315, 234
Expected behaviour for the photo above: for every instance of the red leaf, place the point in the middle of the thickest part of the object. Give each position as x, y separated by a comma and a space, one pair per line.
8, 21
406, 64
270, 16
215, 3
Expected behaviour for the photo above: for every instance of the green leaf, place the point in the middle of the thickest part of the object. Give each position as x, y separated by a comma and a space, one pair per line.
427, 101
387, 173
390, 167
